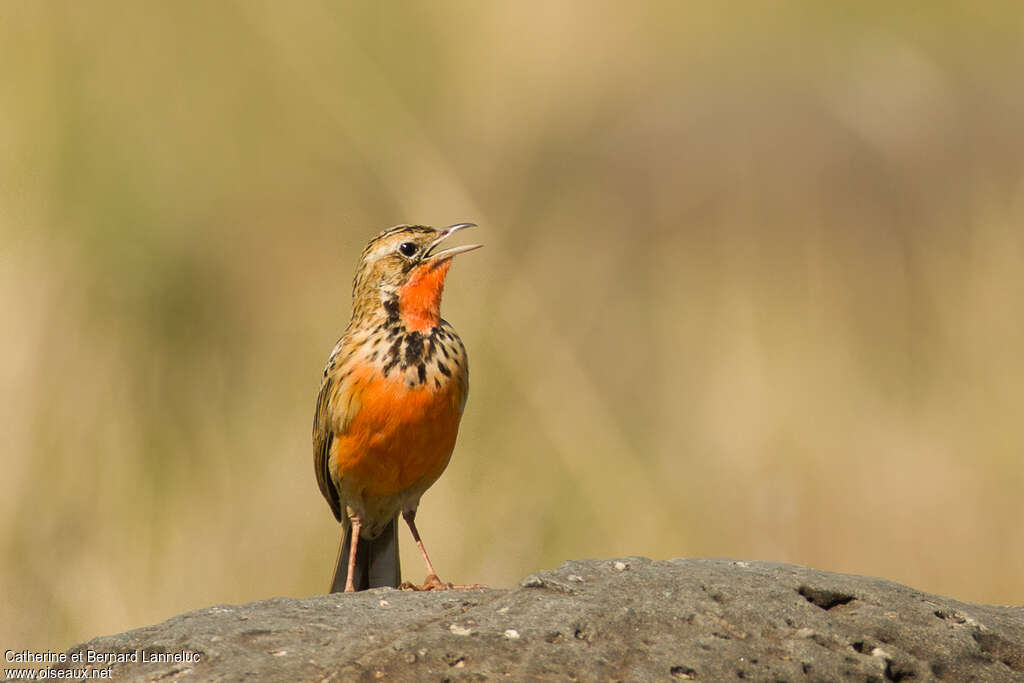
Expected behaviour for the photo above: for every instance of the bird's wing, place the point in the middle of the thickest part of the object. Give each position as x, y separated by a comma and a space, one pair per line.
326, 422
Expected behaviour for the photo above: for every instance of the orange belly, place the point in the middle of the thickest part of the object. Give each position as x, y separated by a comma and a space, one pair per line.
400, 437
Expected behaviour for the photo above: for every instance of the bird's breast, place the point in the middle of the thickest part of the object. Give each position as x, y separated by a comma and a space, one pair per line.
403, 393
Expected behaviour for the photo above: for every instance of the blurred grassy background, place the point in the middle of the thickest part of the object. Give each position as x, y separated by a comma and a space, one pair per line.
752, 288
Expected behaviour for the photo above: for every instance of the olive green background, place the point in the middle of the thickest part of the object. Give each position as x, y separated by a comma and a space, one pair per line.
752, 287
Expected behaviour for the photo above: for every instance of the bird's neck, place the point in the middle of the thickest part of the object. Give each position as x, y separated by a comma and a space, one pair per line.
419, 298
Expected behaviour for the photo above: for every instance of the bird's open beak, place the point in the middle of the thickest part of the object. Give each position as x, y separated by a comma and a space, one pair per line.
437, 257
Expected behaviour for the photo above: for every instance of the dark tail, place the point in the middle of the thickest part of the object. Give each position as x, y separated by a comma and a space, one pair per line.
376, 561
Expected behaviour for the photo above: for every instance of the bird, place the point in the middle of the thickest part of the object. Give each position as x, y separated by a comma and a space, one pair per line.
390, 403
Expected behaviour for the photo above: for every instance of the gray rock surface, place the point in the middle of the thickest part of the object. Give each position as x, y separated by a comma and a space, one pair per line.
630, 619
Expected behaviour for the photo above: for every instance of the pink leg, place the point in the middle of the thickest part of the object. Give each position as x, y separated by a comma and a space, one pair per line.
410, 519
349, 584
432, 583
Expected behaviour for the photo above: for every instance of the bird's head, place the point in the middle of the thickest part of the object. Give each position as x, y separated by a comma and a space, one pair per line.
401, 274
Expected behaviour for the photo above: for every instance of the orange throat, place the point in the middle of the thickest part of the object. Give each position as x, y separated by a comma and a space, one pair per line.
419, 299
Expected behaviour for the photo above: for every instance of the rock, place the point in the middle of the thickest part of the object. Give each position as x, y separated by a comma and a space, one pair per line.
629, 619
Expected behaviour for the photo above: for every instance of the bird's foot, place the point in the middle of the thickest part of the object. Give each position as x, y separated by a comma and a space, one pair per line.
432, 583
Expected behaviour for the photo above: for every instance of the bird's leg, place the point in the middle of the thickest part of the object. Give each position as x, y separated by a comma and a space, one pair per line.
432, 583
353, 545
410, 518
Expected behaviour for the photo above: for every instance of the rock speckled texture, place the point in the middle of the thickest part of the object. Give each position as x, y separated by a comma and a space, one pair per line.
629, 619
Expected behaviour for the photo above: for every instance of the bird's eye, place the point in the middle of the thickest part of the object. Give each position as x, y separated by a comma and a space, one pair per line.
407, 248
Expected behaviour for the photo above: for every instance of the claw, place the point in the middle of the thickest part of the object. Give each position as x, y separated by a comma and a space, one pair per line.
433, 583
